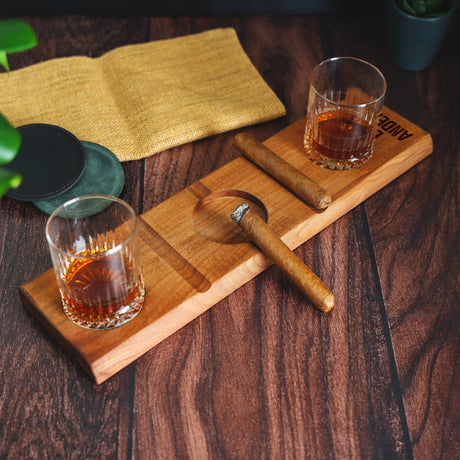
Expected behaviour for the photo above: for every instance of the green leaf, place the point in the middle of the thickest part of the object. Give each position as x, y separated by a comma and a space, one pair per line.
16, 35
407, 7
10, 141
422, 8
8, 179
4, 61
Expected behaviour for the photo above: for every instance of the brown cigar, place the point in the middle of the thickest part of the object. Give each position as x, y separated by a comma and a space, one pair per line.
272, 246
291, 177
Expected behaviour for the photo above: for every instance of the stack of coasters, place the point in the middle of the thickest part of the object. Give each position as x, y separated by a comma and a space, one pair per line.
56, 167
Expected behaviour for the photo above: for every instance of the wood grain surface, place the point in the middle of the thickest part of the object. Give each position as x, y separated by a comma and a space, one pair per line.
188, 251
261, 374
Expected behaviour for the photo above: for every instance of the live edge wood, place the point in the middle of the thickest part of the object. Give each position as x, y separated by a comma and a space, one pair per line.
187, 271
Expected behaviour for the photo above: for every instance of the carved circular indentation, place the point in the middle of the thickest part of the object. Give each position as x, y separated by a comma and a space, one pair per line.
211, 216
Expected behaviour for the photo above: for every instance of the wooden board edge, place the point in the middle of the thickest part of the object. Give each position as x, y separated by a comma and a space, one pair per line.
123, 355
351, 197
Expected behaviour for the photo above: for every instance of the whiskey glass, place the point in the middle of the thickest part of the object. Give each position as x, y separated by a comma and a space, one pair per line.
345, 100
93, 246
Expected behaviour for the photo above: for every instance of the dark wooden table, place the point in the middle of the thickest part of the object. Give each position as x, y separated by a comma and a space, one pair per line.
263, 374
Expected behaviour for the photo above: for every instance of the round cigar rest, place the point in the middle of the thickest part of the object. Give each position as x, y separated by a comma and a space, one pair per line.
211, 216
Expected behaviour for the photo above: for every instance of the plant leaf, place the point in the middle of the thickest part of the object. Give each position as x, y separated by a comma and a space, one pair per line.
16, 35
422, 8
10, 141
8, 179
4, 61
406, 6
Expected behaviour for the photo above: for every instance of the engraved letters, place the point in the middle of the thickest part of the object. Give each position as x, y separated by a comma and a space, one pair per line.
391, 127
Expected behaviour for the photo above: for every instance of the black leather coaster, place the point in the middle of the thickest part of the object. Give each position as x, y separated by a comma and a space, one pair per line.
103, 174
50, 161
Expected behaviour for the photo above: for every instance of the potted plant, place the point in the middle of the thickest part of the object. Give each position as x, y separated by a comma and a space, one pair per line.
15, 36
416, 29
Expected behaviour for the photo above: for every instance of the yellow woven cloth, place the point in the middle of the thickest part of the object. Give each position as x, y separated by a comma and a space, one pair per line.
138, 100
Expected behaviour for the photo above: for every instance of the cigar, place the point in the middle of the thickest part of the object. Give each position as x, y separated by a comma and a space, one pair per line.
276, 250
292, 178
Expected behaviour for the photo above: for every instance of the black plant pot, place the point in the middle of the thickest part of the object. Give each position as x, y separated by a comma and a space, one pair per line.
413, 41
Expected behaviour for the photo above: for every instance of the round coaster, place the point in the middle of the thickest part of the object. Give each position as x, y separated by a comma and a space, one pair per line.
103, 174
50, 161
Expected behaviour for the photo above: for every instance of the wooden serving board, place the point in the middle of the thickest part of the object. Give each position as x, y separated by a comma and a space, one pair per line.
192, 257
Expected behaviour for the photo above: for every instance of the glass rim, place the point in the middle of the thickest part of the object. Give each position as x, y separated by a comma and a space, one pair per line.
341, 104
110, 251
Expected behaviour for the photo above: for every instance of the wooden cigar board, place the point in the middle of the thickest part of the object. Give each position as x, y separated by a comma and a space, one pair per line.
193, 255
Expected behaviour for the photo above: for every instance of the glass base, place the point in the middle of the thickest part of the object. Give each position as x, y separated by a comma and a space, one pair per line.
333, 163
108, 321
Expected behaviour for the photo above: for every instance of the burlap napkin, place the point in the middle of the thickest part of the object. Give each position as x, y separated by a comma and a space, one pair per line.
138, 100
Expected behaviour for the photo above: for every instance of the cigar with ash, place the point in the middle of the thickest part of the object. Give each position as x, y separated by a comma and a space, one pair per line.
276, 250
